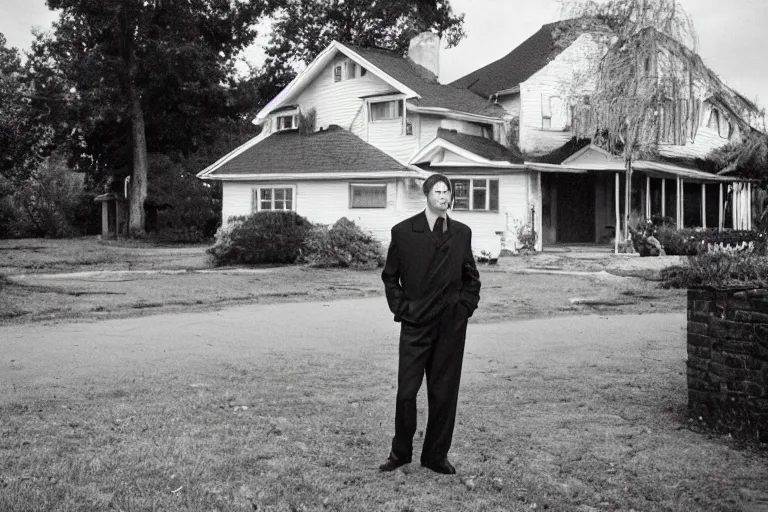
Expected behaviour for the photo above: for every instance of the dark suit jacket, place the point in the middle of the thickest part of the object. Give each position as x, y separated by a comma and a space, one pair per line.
423, 276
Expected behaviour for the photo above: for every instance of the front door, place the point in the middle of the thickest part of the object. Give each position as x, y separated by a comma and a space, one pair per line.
575, 208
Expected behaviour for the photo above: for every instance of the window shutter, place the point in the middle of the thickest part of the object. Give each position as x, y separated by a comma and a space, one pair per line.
493, 202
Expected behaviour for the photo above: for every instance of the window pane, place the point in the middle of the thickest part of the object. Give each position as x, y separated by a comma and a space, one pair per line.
384, 110
460, 194
266, 205
266, 194
288, 193
289, 205
494, 199
279, 205
369, 196
337, 74
478, 194
351, 70
279, 194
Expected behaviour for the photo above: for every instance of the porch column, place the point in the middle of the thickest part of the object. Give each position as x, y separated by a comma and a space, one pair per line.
663, 197
749, 205
618, 217
720, 210
627, 199
704, 205
679, 203
647, 197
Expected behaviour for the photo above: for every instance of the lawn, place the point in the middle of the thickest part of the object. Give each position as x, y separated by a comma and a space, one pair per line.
570, 407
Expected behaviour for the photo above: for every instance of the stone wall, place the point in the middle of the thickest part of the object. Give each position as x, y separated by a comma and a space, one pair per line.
728, 360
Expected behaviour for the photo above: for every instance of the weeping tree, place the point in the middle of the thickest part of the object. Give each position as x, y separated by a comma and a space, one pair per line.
649, 83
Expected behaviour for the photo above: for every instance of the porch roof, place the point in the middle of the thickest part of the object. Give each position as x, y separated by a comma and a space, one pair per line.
653, 169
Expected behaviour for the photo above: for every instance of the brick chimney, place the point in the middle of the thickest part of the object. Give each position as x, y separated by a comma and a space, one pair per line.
424, 50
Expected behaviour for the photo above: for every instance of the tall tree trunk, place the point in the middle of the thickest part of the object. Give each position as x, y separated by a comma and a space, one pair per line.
138, 190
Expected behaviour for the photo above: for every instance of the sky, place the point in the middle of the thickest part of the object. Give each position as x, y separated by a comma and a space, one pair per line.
733, 41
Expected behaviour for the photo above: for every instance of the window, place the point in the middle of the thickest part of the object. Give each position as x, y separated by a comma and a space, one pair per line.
337, 73
475, 194
287, 122
350, 70
347, 70
553, 114
272, 198
384, 110
368, 195
363, 71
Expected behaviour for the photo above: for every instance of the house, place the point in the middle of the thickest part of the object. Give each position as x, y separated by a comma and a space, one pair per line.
358, 130
580, 188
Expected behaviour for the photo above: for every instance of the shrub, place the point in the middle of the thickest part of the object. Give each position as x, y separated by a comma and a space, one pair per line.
263, 237
690, 241
47, 201
718, 270
343, 245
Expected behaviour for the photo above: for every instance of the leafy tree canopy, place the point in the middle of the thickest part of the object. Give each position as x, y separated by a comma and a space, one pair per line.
303, 28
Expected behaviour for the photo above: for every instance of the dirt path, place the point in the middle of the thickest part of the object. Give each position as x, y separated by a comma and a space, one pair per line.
39, 355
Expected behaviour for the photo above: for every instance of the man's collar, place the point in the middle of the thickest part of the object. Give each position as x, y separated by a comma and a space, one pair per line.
432, 218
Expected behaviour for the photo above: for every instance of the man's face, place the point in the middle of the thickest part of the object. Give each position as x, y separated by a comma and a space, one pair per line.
439, 198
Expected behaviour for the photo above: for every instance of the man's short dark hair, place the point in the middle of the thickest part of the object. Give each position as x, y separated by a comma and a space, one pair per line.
433, 180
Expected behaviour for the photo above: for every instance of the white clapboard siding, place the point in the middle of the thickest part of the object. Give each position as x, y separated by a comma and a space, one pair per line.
389, 136
339, 102
429, 126
325, 202
565, 76
706, 140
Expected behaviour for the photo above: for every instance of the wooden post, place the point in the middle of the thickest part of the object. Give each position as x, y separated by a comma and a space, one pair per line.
618, 217
104, 218
627, 197
682, 203
647, 197
679, 203
720, 210
704, 205
663, 197
749, 205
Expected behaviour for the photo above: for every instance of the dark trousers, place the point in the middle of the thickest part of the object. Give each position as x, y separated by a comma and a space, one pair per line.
437, 349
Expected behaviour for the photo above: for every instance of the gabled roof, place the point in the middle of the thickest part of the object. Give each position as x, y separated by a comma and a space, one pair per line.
417, 84
532, 55
334, 151
480, 146
466, 151
430, 92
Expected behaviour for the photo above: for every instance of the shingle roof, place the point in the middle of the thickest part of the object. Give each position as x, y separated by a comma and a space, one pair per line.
532, 55
331, 150
481, 146
433, 94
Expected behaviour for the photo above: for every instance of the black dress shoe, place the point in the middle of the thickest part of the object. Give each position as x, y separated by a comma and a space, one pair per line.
443, 467
393, 462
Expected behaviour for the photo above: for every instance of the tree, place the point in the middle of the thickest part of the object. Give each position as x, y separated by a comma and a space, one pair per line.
146, 76
646, 81
303, 28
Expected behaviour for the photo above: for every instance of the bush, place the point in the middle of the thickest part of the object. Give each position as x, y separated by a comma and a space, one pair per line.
263, 237
47, 201
343, 245
690, 241
718, 270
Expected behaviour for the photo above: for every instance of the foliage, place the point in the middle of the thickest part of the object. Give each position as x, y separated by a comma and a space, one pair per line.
746, 157
153, 76
343, 245
7, 209
644, 82
719, 270
262, 237
48, 201
303, 28
693, 241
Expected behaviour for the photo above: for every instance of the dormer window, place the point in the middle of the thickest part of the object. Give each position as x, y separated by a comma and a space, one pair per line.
386, 110
287, 122
337, 73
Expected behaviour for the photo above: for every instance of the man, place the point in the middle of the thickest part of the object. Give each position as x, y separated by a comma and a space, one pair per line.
432, 287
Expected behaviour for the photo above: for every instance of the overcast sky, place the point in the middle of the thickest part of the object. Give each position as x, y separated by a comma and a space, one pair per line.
733, 39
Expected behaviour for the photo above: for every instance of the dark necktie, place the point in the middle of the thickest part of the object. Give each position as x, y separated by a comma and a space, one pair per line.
438, 229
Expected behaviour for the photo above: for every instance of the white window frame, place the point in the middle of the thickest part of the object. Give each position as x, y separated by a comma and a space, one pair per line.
368, 185
256, 197
472, 179
399, 110
280, 124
